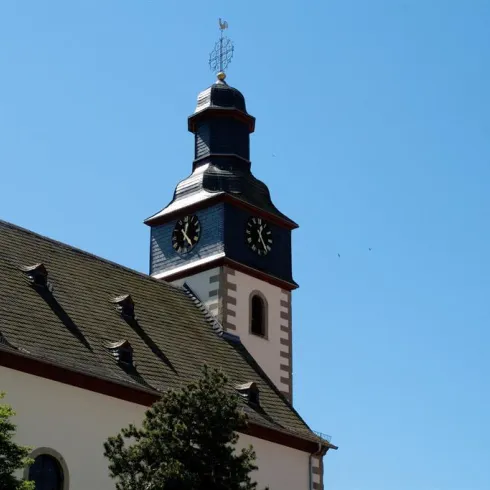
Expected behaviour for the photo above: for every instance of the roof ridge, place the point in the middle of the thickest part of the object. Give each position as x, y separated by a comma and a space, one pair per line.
80, 251
208, 316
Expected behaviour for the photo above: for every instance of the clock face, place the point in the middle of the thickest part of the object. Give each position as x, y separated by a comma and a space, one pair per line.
259, 236
186, 234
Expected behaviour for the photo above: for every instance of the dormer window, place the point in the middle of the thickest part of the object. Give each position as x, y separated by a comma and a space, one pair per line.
125, 306
37, 275
122, 351
250, 391
258, 315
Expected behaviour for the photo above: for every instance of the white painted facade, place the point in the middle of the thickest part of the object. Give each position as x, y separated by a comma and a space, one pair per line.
75, 423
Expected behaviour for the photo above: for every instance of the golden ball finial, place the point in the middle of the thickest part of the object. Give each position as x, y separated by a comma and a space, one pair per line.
221, 76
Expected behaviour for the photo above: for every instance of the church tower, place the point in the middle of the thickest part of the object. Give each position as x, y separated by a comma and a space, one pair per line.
222, 235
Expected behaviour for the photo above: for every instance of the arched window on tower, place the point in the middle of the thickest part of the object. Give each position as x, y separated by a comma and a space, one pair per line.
46, 473
258, 315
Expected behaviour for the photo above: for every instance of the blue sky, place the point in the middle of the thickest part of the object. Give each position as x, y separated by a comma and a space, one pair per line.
377, 113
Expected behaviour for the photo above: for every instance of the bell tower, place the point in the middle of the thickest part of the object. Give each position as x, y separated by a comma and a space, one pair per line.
222, 235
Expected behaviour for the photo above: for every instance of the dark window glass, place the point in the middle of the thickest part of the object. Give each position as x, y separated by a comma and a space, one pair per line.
253, 396
46, 473
126, 355
258, 316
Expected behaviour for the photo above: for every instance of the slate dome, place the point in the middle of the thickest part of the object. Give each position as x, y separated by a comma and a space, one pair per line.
221, 95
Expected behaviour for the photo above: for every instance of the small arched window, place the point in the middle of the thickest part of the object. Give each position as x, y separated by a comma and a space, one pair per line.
46, 473
258, 315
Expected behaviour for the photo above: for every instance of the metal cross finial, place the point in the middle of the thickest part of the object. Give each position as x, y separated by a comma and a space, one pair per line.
221, 56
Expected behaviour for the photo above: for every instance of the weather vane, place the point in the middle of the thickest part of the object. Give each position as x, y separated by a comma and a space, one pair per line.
221, 55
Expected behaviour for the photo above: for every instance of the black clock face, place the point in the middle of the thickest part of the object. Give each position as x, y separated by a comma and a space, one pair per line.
186, 234
259, 236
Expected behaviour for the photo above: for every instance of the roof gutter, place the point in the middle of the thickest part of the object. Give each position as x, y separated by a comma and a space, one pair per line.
310, 467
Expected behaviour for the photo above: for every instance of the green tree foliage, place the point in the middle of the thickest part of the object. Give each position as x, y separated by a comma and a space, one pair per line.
12, 456
186, 442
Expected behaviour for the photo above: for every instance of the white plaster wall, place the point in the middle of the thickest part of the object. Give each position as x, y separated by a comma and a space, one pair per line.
200, 285
266, 351
72, 421
280, 467
76, 422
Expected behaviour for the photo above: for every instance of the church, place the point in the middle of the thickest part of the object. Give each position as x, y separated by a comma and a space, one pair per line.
87, 345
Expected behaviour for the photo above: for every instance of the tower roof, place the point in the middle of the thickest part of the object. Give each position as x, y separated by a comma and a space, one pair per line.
220, 94
221, 166
220, 100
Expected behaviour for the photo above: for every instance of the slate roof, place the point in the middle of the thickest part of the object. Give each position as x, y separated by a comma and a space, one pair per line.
70, 327
220, 172
211, 180
221, 95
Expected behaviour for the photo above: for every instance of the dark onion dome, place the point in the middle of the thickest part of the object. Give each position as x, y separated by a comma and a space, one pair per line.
222, 127
220, 94
221, 99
